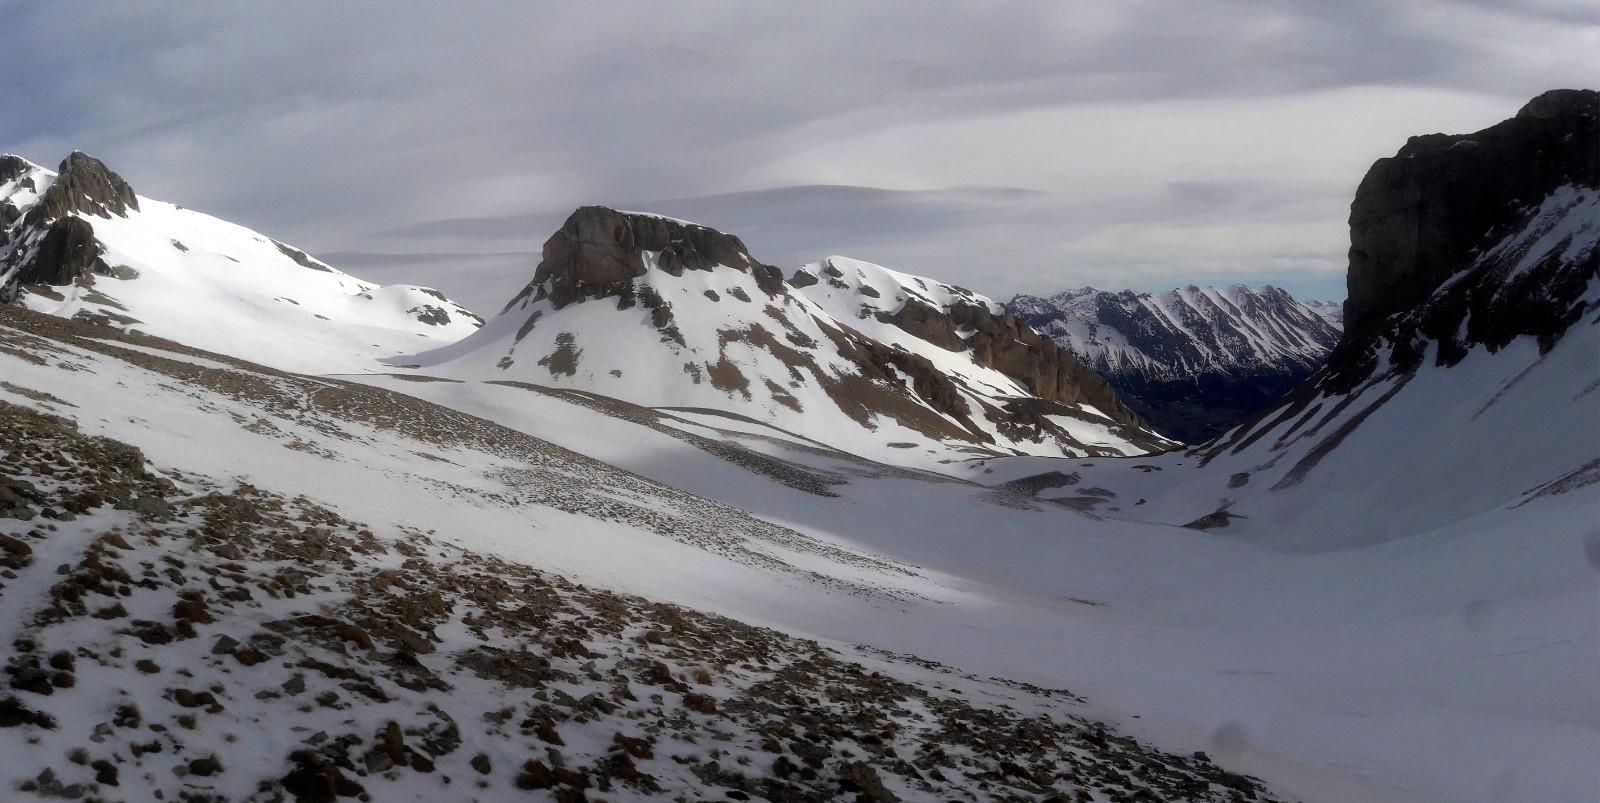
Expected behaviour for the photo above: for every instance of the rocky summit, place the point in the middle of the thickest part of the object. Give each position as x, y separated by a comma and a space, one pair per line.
1473, 240
598, 250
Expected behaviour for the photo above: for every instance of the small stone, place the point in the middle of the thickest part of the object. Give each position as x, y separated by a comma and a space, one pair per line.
205, 766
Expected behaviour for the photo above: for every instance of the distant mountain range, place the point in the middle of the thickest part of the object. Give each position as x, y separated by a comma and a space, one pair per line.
1194, 361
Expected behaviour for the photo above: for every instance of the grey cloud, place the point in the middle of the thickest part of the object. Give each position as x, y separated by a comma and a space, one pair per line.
480, 282
999, 240
857, 211
323, 123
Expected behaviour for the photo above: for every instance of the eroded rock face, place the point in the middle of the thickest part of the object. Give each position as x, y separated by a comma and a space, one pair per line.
13, 167
1013, 348
85, 185
598, 248
1478, 204
66, 252
1419, 215
52, 243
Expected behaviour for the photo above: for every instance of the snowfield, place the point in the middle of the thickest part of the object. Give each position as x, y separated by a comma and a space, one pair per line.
190, 277
1313, 669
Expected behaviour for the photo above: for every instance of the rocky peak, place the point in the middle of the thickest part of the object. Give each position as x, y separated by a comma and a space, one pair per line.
84, 186
599, 249
1418, 215
13, 167
1559, 102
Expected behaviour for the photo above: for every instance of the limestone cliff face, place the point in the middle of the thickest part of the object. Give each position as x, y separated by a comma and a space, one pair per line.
1419, 215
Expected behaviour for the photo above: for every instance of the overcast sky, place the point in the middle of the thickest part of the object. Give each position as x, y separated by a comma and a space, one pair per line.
1021, 147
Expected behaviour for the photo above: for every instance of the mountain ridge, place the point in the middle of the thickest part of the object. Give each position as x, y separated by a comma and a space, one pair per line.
667, 313
81, 243
1193, 361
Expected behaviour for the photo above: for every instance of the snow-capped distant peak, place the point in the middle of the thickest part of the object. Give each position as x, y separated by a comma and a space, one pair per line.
1193, 360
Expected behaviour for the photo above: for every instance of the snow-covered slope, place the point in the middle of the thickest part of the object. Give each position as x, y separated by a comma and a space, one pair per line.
1193, 361
669, 314
80, 243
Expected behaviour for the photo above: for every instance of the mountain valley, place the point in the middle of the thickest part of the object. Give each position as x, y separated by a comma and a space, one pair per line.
675, 525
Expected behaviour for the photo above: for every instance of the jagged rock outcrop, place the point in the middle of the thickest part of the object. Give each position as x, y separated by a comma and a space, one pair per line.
53, 244
1419, 215
598, 249
13, 167
66, 251
1193, 361
84, 185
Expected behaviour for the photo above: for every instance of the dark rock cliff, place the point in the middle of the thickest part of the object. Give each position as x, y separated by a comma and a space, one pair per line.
1437, 209
86, 186
13, 167
66, 251
1459, 279
53, 243
598, 249
1419, 215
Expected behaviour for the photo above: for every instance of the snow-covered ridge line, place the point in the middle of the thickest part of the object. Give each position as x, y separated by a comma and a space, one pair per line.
79, 243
